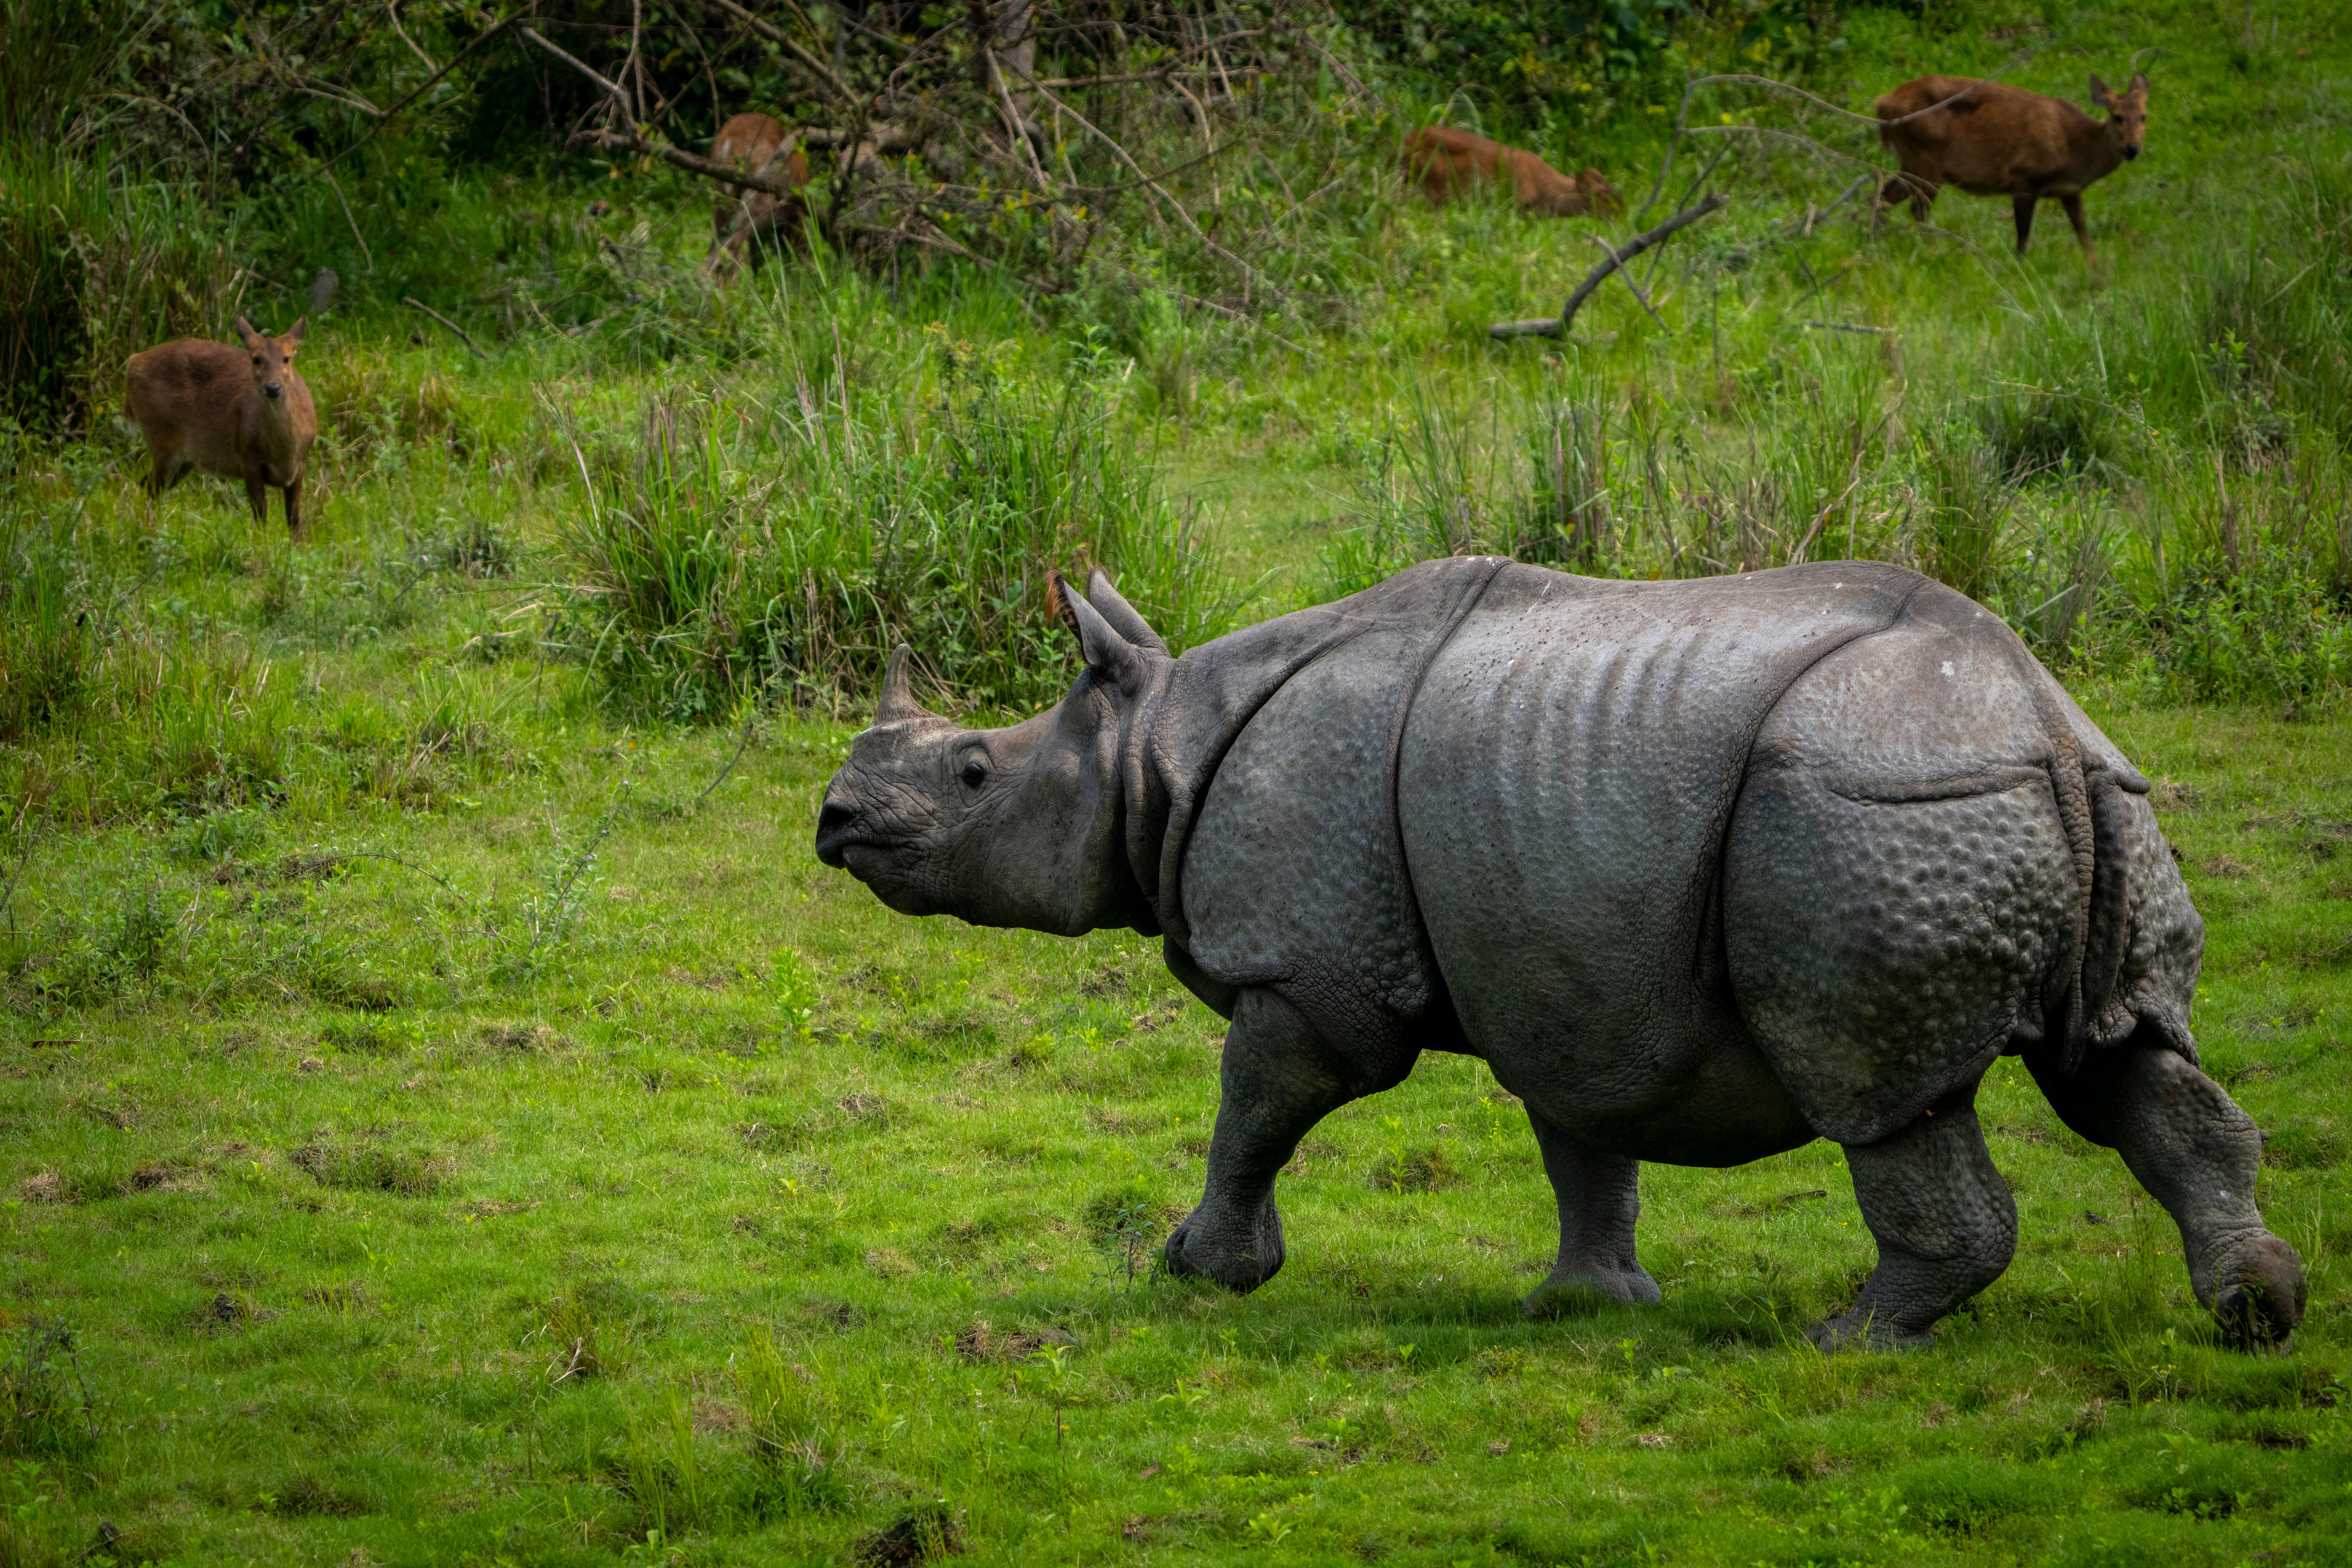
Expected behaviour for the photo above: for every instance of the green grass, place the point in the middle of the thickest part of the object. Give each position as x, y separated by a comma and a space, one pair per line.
438, 1123
755, 1216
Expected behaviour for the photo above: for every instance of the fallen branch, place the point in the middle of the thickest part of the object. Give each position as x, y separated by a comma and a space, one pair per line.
767, 185
462, 334
1547, 327
1846, 327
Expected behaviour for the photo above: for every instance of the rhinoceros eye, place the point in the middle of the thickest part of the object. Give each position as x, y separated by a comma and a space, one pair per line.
974, 773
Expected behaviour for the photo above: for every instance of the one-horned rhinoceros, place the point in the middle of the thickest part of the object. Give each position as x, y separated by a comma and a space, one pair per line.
1702, 870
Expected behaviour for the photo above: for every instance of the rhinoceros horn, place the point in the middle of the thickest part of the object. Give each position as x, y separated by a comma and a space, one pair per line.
898, 705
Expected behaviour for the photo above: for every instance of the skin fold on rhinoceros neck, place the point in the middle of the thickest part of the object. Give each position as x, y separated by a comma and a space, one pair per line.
1177, 742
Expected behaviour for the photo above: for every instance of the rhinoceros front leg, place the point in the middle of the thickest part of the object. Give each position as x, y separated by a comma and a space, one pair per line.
1279, 1078
1599, 1199
2198, 1154
1945, 1222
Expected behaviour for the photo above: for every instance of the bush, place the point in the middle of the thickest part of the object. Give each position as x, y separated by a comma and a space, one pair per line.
721, 566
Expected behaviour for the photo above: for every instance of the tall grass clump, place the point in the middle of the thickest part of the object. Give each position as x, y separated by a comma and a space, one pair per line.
736, 556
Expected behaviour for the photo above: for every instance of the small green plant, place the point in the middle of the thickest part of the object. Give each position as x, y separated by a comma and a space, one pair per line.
48, 1409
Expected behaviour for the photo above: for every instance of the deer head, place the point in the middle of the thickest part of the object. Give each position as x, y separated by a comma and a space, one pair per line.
2127, 112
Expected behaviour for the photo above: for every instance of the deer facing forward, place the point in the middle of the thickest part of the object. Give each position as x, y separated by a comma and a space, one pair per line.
1991, 140
240, 412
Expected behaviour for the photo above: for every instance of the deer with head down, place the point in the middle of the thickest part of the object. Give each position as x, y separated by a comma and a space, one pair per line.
242, 412
1445, 162
757, 144
1992, 140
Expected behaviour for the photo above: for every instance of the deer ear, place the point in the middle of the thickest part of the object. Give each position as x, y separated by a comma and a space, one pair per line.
293, 338
244, 330
2139, 81
1108, 654
2098, 93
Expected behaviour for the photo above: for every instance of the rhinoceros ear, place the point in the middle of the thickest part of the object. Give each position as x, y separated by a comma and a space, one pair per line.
1123, 616
1108, 654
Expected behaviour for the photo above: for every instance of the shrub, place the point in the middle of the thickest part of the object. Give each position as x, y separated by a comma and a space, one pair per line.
723, 566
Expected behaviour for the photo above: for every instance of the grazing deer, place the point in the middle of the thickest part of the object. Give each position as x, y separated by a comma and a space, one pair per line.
760, 144
1445, 162
1991, 140
243, 413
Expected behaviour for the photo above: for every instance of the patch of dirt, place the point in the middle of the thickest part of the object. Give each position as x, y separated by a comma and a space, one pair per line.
891, 1264
919, 1535
42, 1187
1426, 1170
984, 1343
162, 1177
228, 1312
522, 1039
865, 1108
2170, 795
834, 1316
495, 1208
2226, 866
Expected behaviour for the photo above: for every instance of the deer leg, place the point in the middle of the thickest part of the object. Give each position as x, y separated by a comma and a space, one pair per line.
256, 492
2073, 206
2023, 207
294, 509
160, 478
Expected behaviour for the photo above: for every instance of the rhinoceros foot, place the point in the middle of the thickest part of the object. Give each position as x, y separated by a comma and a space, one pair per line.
1569, 1293
1867, 1331
1241, 1253
2263, 1295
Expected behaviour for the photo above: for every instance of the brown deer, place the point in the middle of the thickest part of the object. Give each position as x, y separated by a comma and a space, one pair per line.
754, 142
1991, 140
243, 412
1445, 162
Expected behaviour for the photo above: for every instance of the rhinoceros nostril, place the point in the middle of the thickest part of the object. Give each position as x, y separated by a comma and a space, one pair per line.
832, 819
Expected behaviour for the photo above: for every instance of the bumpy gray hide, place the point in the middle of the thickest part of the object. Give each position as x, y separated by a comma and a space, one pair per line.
1702, 870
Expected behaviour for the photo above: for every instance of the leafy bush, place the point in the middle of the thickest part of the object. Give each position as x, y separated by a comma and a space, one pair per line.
721, 566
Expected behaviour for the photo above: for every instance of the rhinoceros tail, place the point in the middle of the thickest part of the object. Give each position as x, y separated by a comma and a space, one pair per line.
2092, 811
2064, 1017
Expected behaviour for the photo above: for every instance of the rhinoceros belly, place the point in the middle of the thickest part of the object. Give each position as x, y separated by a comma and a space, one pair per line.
1570, 773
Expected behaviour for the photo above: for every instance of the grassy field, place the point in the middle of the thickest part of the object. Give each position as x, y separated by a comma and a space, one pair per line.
448, 1115
749, 1221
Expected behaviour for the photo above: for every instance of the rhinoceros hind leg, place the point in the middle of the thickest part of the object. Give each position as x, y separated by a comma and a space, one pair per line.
2197, 1153
1600, 1200
1945, 1222
1279, 1078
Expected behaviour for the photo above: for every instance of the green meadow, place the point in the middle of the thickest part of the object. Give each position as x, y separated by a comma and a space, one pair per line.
448, 1116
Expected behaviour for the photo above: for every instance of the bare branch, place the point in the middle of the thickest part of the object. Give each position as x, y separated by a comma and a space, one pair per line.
462, 335
1547, 327
611, 89
758, 180
808, 58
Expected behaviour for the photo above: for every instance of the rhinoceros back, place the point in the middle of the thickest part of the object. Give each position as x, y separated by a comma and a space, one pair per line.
1569, 773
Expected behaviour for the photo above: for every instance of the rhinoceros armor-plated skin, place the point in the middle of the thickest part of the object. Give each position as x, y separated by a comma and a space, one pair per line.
1702, 870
